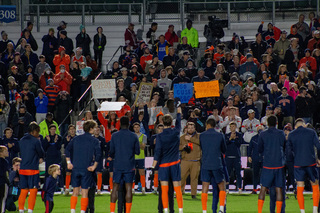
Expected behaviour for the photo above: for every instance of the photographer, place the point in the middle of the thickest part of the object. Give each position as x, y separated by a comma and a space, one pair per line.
190, 158
213, 31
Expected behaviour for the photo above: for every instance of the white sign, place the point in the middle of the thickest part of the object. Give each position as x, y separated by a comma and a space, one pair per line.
79, 128
104, 88
144, 94
107, 106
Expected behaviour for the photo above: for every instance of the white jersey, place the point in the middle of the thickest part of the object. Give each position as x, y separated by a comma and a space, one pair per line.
226, 122
249, 129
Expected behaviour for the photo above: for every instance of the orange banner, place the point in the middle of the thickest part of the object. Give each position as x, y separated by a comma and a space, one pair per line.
206, 89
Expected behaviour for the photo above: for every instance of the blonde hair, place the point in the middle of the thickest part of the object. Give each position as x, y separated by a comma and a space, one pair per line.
279, 69
53, 168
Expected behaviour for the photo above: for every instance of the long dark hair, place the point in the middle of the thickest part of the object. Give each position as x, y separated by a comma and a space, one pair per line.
110, 121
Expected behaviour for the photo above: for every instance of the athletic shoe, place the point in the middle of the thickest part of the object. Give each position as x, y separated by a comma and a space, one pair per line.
66, 192
240, 191
133, 191
99, 192
227, 191
143, 190
254, 192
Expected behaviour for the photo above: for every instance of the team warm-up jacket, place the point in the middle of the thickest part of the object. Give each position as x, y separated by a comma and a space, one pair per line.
124, 145
212, 145
271, 146
302, 142
253, 150
30, 152
85, 150
49, 188
52, 148
167, 147
233, 146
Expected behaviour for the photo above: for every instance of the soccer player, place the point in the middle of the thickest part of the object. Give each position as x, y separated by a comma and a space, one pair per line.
83, 150
212, 144
140, 158
4, 177
124, 145
32, 154
167, 154
302, 142
271, 146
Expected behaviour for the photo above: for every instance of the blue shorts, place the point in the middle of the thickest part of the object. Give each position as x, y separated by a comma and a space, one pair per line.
139, 163
81, 178
272, 177
212, 175
126, 176
29, 181
301, 172
100, 166
170, 173
110, 166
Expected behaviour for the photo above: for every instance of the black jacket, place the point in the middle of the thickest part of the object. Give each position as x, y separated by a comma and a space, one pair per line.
83, 41
67, 43
97, 43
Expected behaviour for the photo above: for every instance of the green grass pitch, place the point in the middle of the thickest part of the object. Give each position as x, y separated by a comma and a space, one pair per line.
148, 204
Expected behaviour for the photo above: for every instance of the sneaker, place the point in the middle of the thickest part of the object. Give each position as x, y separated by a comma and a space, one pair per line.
143, 190
227, 191
254, 192
133, 191
194, 197
66, 192
99, 192
62, 191
240, 191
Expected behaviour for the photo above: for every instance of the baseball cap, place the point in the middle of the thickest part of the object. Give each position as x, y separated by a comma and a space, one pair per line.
250, 111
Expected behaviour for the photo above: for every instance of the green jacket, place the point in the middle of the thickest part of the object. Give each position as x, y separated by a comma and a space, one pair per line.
192, 35
44, 129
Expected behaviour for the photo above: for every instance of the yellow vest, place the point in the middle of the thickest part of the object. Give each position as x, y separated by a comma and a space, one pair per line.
141, 155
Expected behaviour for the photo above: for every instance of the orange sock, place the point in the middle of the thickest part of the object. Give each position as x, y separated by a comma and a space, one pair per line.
315, 195
300, 197
222, 197
68, 180
128, 207
22, 198
177, 189
133, 184
164, 196
143, 181
155, 180
73, 202
99, 181
32, 198
204, 200
111, 182
279, 206
260, 205
84, 204
112, 207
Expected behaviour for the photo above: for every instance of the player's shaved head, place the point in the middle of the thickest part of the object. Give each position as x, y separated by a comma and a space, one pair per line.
124, 122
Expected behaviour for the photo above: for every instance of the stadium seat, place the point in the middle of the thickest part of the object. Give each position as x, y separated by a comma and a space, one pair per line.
97, 8
33, 9
54, 8
241, 6
257, 5
111, 8
313, 3
302, 4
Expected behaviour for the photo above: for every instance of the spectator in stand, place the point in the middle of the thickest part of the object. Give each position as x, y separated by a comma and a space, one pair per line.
151, 34
12, 89
18, 63
41, 104
93, 64
21, 121
271, 35
219, 54
11, 143
303, 28
152, 74
85, 80
287, 106
4, 42
316, 55
164, 82
99, 42
50, 46
17, 76
136, 77
232, 117
66, 42
83, 40
145, 57
184, 46
45, 124
230, 104
62, 26
46, 75
40, 67
249, 126
8, 54
249, 105
200, 77
78, 57
281, 45
4, 113
171, 35
63, 79
309, 61
28, 99
121, 90
293, 54
21, 47
181, 78
63, 106
140, 50
258, 47
305, 105
191, 34
127, 79
29, 58
171, 58
303, 76
182, 62
248, 68
51, 91
110, 122
127, 53
232, 87
236, 65
314, 43
26, 34
130, 36
226, 60
236, 44
190, 69
157, 89
294, 34
61, 59
161, 47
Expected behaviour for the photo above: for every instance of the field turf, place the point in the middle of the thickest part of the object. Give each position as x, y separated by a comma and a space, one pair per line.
148, 204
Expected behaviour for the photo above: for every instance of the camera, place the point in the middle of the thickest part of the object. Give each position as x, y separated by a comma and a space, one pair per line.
187, 149
213, 31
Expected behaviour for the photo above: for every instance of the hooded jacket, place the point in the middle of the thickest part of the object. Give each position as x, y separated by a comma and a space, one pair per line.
83, 40
165, 83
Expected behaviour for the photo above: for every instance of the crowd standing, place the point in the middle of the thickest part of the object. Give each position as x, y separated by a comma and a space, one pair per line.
268, 88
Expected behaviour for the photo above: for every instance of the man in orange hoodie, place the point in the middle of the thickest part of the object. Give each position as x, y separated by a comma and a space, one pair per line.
63, 79
61, 59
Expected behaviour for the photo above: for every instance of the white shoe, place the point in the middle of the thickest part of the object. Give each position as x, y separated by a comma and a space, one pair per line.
99, 192
240, 191
73, 211
143, 190
180, 210
133, 191
66, 192
227, 191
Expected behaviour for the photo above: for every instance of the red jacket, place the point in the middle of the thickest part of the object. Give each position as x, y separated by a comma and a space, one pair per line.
130, 38
63, 81
313, 44
171, 37
104, 123
144, 59
57, 61
312, 62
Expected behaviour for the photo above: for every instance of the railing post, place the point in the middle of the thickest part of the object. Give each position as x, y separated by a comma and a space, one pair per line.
22, 15
129, 16
83, 17
273, 12
228, 16
182, 14
144, 8
317, 7
38, 18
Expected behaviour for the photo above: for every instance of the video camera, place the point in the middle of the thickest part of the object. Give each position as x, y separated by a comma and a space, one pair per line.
213, 31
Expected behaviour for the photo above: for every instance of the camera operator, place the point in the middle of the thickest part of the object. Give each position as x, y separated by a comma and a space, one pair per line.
190, 158
213, 31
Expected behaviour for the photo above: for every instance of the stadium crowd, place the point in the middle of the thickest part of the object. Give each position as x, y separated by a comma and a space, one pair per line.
277, 75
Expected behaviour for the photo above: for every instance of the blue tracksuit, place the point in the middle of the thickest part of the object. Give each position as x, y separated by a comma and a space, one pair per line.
253, 152
49, 188
30, 152
14, 150
124, 145
167, 146
52, 150
85, 149
103, 148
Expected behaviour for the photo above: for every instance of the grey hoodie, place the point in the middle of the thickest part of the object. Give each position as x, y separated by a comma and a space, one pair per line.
165, 83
